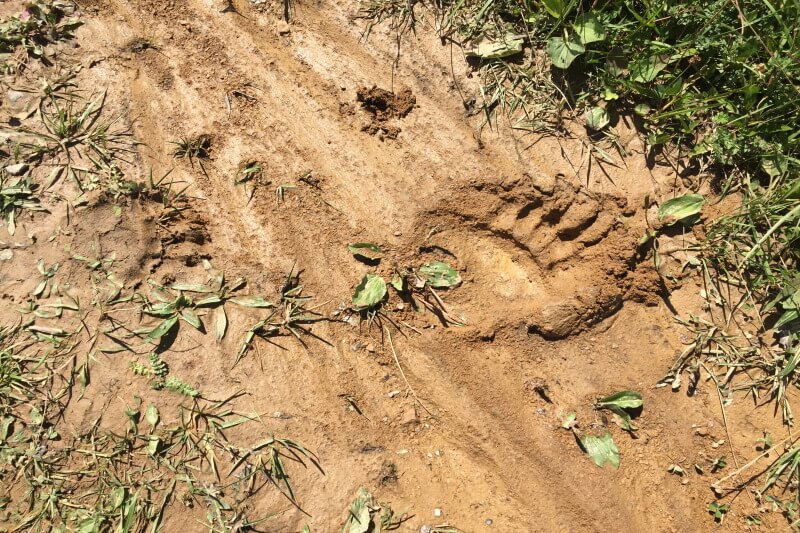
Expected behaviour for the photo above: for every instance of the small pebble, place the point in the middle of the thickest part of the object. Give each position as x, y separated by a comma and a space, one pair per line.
437, 513
393, 393
6, 255
425, 529
17, 170
402, 452
397, 233
15, 96
489, 522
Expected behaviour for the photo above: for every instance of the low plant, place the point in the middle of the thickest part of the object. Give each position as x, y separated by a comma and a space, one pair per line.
16, 195
40, 23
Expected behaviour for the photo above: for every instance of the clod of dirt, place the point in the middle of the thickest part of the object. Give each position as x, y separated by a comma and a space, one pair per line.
409, 416
139, 45
538, 386
388, 473
385, 105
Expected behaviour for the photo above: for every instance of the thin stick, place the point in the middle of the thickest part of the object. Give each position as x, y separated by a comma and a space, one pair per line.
725, 423
755, 459
397, 361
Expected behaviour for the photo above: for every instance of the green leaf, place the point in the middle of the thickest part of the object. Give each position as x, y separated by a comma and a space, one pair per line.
624, 400
162, 329
681, 207
555, 8
619, 404
252, 301
151, 415
589, 28
191, 317
563, 52
440, 275
398, 283
359, 519
37, 419
601, 450
209, 301
486, 48
718, 510
190, 287
367, 250
161, 309
152, 445
645, 70
789, 315
597, 118
370, 292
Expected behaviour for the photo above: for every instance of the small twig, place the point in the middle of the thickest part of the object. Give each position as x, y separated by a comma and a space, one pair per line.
728, 434
397, 361
754, 460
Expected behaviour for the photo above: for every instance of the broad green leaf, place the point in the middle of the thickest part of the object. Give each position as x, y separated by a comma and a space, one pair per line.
151, 415
619, 404
623, 419
562, 52
191, 317
370, 292
555, 8
367, 250
681, 207
601, 450
220, 322
645, 70
162, 329
440, 275
153, 444
36, 417
624, 400
252, 301
118, 496
359, 519
496, 49
597, 118
642, 109
398, 283
589, 28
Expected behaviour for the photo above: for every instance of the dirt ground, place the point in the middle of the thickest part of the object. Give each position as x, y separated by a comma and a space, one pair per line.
555, 295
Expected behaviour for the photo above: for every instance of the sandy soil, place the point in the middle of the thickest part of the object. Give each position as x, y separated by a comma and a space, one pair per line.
555, 292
